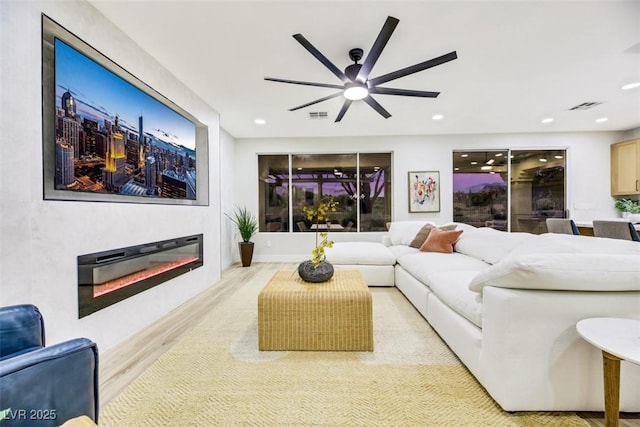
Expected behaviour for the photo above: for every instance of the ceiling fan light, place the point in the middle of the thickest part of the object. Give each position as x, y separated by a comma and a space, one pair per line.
356, 91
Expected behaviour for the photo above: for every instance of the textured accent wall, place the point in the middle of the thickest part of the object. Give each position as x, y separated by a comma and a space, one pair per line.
40, 240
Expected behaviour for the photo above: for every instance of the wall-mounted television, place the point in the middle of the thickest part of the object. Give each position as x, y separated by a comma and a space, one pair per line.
107, 136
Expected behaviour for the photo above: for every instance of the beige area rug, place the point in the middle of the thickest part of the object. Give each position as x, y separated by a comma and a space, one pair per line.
215, 376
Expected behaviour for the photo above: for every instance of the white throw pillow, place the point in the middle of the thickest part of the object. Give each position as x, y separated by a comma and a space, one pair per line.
403, 232
490, 245
563, 271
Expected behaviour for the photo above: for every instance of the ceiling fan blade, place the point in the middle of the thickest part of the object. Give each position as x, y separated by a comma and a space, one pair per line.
381, 41
320, 57
374, 104
403, 92
297, 82
343, 110
414, 68
316, 101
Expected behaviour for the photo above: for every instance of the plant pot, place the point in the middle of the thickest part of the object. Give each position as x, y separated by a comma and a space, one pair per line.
246, 253
634, 218
309, 273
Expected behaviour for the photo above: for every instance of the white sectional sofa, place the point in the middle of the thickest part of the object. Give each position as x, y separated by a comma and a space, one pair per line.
374, 260
507, 305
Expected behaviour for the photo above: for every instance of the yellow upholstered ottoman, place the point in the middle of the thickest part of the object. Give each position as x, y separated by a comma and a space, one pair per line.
334, 316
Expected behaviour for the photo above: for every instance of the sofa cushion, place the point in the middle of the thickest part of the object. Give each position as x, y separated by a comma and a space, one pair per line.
448, 276
440, 241
403, 232
488, 244
401, 250
422, 264
452, 288
360, 253
563, 271
422, 235
551, 243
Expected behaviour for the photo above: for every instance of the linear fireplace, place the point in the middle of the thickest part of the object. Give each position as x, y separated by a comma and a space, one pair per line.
105, 278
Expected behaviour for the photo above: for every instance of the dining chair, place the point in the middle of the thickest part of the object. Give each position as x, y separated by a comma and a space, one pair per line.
615, 230
562, 226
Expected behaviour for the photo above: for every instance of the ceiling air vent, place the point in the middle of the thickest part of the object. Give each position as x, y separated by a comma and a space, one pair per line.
318, 115
585, 106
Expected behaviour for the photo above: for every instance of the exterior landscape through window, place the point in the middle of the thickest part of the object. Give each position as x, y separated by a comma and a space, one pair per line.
359, 182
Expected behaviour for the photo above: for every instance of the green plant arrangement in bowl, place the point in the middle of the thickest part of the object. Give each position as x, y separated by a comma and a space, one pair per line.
247, 225
628, 205
629, 208
318, 269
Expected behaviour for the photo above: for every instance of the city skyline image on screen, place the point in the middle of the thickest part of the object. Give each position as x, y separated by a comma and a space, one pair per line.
112, 137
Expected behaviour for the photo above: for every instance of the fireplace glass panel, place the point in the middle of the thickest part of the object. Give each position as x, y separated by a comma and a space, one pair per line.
105, 278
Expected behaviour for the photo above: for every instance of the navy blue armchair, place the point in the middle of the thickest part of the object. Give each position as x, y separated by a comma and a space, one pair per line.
43, 386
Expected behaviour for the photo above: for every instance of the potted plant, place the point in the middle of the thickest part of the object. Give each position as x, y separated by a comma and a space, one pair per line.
247, 227
629, 208
317, 269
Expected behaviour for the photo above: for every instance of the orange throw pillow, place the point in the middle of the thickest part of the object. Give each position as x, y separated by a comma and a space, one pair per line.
440, 241
422, 235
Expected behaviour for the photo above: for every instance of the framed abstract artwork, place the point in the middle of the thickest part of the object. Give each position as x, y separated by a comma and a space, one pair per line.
424, 191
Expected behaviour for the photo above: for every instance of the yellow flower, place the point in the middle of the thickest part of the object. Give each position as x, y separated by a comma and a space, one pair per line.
316, 216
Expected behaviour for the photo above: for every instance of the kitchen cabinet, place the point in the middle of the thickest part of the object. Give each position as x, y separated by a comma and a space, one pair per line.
625, 168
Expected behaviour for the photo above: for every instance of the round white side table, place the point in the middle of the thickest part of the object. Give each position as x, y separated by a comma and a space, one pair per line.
619, 339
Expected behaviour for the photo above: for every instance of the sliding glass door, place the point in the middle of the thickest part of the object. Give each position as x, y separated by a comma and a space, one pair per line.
512, 190
480, 188
538, 189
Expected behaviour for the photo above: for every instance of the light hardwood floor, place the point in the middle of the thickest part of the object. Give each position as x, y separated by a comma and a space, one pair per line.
124, 363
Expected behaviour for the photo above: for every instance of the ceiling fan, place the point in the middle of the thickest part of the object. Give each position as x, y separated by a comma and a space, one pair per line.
356, 84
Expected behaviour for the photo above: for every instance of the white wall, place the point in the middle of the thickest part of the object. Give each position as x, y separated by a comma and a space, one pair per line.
40, 239
631, 134
588, 181
228, 234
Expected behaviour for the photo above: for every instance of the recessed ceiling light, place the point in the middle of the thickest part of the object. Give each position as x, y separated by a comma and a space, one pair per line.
490, 162
557, 156
464, 155
437, 117
474, 163
601, 120
630, 86
498, 154
456, 169
547, 120
260, 121
486, 168
542, 159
